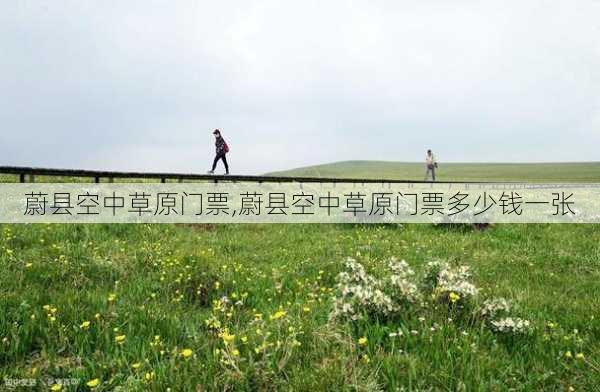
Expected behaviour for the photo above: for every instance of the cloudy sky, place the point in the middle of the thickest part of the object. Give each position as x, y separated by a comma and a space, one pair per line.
139, 85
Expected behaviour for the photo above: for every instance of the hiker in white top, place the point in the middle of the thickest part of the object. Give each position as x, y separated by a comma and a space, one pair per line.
431, 165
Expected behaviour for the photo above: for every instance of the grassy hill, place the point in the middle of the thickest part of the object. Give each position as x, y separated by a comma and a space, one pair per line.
534, 172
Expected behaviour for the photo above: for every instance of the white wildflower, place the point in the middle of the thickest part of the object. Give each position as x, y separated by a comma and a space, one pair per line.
401, 273
445, 279
491, 308
511, 325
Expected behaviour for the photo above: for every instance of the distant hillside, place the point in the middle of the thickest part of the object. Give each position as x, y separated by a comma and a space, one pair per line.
535, 172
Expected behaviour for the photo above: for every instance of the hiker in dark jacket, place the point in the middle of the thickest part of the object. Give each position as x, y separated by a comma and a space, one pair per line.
221, 149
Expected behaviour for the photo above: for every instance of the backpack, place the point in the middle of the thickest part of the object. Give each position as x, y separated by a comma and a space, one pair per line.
225, 148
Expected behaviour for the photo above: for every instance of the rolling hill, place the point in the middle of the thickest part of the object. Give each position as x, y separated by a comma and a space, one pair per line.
536, 172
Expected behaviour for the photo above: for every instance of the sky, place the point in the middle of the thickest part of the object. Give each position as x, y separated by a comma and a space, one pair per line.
140, 85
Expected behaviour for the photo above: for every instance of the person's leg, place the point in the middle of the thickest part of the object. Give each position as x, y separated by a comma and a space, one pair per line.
214, 166
225, 163
433, 173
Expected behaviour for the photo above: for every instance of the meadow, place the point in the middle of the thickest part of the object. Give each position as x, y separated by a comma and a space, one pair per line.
281, 307
532, 172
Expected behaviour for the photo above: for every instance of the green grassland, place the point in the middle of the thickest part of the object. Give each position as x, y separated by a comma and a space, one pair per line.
534, 172
248, 307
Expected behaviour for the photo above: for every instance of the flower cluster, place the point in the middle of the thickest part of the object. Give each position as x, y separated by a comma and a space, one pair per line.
359, 293
492, 308
496, 311
400, 279
450, 283
509, 325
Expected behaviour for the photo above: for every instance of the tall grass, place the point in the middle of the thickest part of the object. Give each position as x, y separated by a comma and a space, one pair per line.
151, 307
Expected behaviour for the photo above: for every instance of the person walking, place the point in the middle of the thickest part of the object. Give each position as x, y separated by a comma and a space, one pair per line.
221, 150
431, 165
